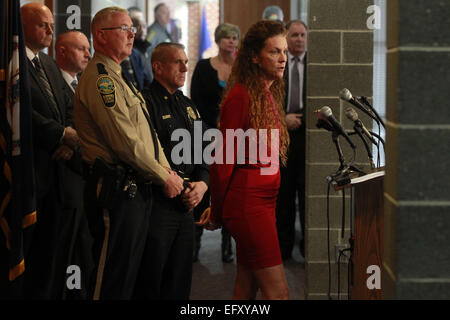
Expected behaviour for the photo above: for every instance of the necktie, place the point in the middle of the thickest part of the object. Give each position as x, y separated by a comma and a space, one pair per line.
46, 86
294, 105
74, 84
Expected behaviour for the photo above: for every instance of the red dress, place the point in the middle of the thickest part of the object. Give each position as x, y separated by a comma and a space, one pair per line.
243, 198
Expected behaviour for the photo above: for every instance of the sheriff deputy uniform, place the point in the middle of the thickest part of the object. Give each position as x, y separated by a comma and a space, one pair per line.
123, 158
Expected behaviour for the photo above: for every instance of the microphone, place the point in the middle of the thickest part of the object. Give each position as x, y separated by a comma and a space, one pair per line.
346, 95
326, 114
323, 124
361, 130
352, 115
366, 102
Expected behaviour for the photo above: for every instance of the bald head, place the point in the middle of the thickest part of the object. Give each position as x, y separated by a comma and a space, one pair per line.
38, 26
72, 52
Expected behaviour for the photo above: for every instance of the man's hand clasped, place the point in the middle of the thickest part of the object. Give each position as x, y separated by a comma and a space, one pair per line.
173, 185
193, 194
293, 121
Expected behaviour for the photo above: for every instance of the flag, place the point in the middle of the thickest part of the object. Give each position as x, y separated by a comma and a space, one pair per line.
17, 182
205, 41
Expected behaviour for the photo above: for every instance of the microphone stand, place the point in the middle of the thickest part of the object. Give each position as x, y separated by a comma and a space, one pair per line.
342, 176
377, 136
366, 102
369, 152
335, 137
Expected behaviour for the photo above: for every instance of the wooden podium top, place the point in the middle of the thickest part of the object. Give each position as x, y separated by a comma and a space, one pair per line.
375, 173
367, 177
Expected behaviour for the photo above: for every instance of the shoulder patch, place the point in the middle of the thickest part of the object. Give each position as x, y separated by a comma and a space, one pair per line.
107, 89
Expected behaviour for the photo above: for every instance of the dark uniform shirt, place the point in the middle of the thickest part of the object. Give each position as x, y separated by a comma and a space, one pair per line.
176, 111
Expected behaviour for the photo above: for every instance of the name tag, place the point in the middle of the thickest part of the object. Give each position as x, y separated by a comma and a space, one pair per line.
168, 116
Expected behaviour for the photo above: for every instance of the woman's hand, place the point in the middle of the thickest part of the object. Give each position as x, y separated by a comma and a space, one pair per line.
205, 220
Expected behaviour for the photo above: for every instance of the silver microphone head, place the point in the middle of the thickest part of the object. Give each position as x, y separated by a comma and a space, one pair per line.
351, 114
326, 111
345, 94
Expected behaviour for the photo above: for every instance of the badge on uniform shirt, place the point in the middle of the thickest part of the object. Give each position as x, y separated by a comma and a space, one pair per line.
191, 113
151, 35
105, 86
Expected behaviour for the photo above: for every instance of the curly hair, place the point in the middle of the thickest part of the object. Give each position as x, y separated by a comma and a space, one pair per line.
249, 74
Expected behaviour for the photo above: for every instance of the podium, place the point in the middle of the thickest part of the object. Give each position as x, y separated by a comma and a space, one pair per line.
367, 230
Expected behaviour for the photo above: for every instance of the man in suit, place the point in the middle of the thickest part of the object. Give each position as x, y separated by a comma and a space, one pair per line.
72, 56
55, 143
142, 45
134, 69
293, 175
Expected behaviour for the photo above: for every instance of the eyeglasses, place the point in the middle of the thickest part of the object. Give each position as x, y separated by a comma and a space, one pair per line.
123, 28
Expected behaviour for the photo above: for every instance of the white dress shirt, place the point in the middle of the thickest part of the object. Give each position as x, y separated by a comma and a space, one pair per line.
69, 79
31, 55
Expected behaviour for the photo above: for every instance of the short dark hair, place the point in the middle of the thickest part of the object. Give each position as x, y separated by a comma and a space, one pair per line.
296, 21
159, 53
159, 5
136, 22
134, 9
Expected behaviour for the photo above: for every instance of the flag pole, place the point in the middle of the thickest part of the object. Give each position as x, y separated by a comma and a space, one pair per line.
3, 71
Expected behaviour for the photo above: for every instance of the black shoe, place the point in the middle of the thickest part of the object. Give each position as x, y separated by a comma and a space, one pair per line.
227, 250
286, 255
227, 256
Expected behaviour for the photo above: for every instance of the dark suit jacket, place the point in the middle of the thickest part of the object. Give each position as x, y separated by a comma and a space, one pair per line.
140, 72
296, 155
48, 128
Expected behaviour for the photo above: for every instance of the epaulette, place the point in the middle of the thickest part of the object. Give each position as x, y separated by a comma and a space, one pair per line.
101, 68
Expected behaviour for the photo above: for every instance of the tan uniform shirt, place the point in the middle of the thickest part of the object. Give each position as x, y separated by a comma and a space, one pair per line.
111, 123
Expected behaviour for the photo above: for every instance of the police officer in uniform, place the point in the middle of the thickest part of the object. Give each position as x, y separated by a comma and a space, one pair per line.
172, 223
157, 31
122, 157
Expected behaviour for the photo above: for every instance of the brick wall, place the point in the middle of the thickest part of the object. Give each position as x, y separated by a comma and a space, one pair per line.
340, 54
417, 197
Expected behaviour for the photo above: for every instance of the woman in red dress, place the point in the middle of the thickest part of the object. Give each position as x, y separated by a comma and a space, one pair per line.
244, 193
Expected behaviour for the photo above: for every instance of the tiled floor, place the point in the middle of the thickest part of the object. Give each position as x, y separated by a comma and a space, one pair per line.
214, 280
